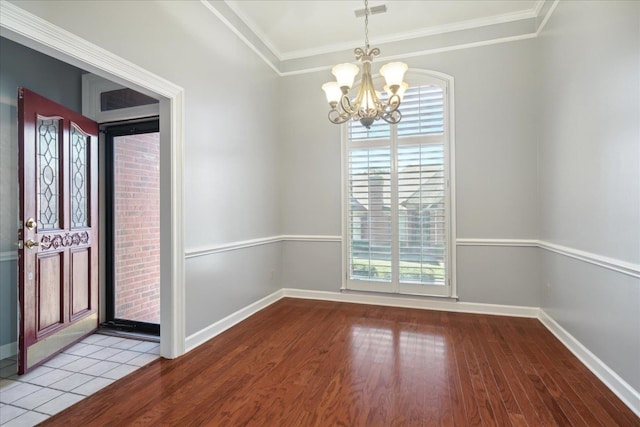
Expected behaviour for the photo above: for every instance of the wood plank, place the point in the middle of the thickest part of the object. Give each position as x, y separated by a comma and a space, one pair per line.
319, 363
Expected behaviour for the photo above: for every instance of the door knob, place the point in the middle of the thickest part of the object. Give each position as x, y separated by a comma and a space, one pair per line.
31, 224
31, 244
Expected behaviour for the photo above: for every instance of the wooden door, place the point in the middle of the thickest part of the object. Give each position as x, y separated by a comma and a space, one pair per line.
58, 228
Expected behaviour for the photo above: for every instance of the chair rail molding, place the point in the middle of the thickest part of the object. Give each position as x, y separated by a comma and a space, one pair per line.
241, 244
8, 256
620, 266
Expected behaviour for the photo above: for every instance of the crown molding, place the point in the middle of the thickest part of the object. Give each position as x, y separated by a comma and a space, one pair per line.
417, 34
318, 59
250, 23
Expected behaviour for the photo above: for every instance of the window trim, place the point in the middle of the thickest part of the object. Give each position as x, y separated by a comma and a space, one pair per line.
416, 77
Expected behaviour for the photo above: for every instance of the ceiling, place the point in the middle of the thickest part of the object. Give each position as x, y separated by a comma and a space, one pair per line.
297, 35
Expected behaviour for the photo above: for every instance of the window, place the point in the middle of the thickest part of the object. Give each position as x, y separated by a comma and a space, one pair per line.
398, 204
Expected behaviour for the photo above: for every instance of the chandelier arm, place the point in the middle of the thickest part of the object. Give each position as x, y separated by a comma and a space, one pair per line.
346, 105
392, 117
392, 104
337, 118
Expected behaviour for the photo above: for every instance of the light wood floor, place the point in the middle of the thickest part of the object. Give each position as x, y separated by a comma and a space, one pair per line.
315, 363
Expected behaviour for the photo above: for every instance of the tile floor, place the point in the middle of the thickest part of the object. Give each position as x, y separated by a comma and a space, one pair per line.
78, 372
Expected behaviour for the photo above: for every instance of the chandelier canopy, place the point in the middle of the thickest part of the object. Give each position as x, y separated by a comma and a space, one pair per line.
367, 106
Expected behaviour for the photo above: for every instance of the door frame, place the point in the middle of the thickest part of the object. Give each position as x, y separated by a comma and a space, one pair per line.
30, 30
111, 131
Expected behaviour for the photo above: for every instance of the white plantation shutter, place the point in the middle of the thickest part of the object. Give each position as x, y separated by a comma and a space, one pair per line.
369, 213
422, 111
421, 188
398, 199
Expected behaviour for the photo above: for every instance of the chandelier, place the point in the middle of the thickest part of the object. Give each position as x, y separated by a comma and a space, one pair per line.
367, 106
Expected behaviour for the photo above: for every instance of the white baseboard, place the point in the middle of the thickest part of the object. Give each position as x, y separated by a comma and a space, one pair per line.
620, 387
8, 350
421, 303
222, 325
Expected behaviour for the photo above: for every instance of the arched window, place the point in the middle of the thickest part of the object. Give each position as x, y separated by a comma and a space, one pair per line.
398, 224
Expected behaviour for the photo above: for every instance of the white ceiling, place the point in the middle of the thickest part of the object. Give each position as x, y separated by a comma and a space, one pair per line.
302, 28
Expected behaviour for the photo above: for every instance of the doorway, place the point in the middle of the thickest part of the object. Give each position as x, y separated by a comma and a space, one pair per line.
25, 28
132, 237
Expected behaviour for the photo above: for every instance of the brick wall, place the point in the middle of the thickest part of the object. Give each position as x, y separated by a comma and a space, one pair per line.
137, 227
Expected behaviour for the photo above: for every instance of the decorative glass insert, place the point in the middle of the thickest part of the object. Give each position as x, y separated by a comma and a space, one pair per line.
79, 143
48, 154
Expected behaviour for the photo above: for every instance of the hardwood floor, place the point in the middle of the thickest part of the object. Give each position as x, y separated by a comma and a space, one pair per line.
317, 363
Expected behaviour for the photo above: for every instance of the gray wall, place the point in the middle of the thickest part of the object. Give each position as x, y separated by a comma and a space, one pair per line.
20, 66
590, 174
496, 173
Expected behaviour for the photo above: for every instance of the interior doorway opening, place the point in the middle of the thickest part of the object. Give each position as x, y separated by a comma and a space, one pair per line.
25, 28
132, 237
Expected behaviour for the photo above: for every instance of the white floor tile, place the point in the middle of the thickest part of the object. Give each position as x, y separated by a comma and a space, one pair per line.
109, 341
144, 346
18, 392
119, 372
59, 403
26, 378
29, 418
93, 339
85, 368
10, 412
61, 360
80, 364
50, 377
37, 398
93, 386
126, 344
105, 353
6, 384
124, 356
155, 350
143, 359
71, 382
100, 368
83, 349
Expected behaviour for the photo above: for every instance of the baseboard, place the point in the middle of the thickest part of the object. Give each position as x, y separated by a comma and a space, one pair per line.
194, 340
8, 350
617, 385
418, 302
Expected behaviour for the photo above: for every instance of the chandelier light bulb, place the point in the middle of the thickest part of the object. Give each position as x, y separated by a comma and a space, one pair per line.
333, 92
393, 73
345, 74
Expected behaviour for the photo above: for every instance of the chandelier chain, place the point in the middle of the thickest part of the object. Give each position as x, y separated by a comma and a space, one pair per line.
366, 23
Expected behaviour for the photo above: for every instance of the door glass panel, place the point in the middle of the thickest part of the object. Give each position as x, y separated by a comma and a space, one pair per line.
48, 154
136, 227
78, 178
